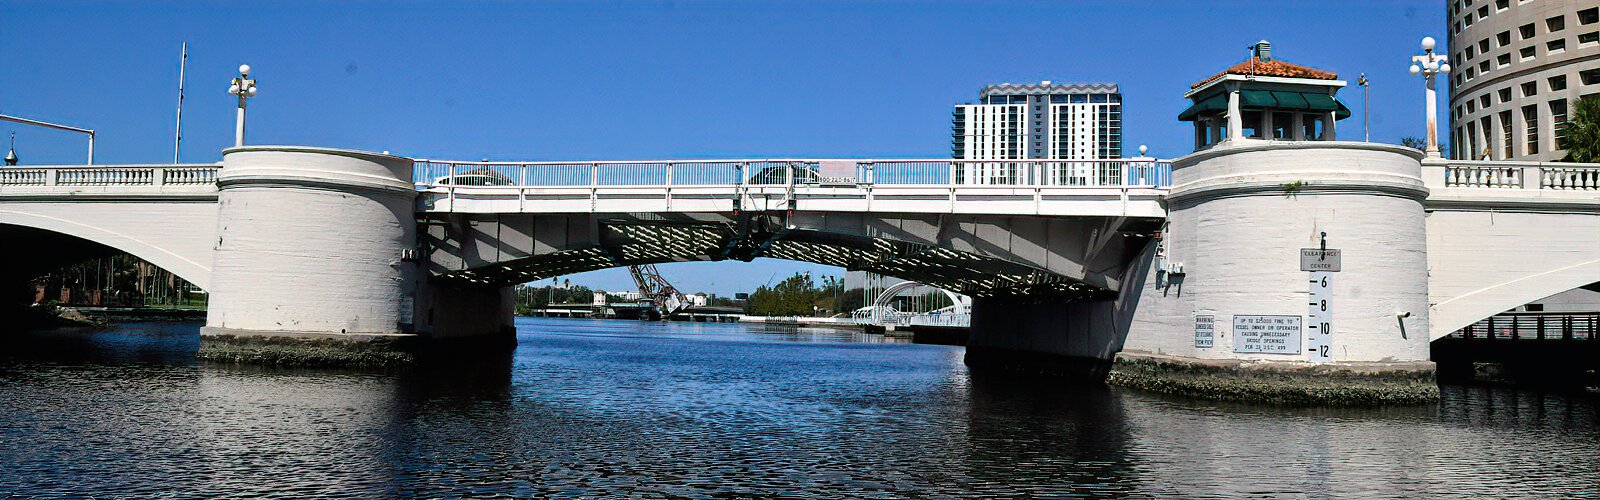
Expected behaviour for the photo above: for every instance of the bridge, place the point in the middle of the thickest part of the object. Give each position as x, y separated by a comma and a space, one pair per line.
1076, 260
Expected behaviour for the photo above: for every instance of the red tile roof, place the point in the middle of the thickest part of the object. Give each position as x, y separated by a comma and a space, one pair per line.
1274, 67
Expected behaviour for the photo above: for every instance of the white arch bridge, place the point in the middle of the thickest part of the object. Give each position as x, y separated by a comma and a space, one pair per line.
1499, 234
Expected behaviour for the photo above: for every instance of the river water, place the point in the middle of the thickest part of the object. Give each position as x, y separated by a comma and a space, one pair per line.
619, 408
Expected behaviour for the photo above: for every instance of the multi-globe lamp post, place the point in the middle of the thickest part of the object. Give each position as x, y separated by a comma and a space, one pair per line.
1430, 65
244, 87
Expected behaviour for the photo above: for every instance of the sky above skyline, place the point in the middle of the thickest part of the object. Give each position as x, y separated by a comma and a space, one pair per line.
654, 80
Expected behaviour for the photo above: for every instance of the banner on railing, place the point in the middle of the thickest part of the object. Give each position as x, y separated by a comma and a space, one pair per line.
836, 172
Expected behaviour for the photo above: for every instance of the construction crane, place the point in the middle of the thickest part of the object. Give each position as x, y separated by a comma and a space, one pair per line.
668, 300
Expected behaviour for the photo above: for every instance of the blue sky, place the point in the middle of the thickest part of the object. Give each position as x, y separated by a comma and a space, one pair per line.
643, 80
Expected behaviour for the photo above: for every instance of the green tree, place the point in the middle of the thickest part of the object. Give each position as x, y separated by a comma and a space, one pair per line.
1583, 131
796, 295
1421, 144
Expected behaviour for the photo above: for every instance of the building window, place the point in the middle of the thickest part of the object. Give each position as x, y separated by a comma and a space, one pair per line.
1488, 139
1469, 53
1483, 12
1483, 67
1483, 46
1558, 119
1469, 20
1505, 134
1588, 38
1555, 24
1503, 38
1251, 124
1526, 31
1589, 77
1554, 46
1502, 60
1311, 127
1530, 119
1505, 94
1282, 126
1483, 101
1470, 74
1472, 139
1589, 16
1472, 106
1500, 5
1530, 89
1526, 53
1558, 83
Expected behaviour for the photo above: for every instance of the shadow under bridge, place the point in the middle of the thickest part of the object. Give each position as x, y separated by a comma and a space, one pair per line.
978, 255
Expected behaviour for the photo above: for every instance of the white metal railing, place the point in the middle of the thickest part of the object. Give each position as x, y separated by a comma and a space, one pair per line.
1521, 175
121, 175
781, 172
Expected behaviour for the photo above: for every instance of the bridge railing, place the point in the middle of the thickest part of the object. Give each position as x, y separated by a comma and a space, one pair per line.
120, 175
1518, 175
1136, 172
1533, 326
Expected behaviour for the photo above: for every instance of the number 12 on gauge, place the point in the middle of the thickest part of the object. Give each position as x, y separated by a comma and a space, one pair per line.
1319, 328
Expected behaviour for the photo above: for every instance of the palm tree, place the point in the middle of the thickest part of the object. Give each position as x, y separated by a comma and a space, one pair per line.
1583, 131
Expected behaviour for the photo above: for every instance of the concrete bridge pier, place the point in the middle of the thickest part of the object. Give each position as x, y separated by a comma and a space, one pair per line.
1222, 305
316, 264
1053, 336
1233, 309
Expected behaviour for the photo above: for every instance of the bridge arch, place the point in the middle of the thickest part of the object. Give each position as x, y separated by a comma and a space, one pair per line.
894, 290
884, 311
177, 241
1459, 312
976, 256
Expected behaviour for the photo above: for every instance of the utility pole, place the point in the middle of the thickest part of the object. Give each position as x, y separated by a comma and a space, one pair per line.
177, 133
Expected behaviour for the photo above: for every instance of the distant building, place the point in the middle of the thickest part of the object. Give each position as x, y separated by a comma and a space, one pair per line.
628, 295
1043, 120
1518, 66
698, 299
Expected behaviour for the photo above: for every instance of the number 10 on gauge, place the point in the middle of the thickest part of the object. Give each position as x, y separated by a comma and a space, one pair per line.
1319, 328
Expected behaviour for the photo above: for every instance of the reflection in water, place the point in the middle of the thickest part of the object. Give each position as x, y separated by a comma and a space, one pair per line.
1045, 437
615, 408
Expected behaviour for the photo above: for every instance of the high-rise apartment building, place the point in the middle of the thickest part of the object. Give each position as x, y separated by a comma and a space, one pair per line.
1043, 120
1519, 67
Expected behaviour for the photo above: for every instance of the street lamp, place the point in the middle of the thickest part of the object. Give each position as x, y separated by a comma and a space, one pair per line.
244, 87
1366, 109
1429, 65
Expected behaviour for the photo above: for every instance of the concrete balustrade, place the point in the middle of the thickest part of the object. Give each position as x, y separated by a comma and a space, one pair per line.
1513, 175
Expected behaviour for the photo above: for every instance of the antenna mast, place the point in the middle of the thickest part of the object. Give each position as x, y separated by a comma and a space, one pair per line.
177, 134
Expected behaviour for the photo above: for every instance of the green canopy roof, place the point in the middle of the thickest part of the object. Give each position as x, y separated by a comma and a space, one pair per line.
1218, 102
1276, 99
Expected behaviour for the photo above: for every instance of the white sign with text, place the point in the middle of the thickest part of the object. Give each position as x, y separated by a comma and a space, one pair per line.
1205, 331
1266, 334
